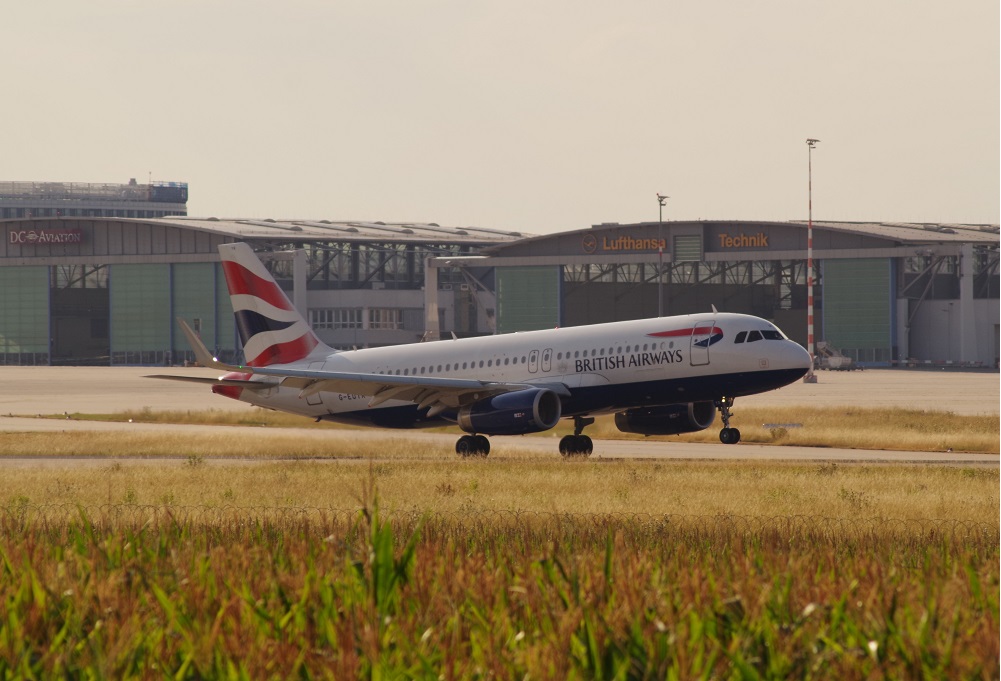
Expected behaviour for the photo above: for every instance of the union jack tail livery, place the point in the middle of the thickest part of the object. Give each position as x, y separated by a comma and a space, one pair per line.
271, 329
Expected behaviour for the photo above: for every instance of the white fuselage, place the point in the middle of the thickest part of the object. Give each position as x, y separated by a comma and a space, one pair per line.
605, 367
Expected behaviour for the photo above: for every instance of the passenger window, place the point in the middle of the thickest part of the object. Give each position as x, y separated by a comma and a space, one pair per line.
740, 337
753, 336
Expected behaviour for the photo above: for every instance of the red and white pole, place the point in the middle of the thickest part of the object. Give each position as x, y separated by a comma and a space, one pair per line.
810, 376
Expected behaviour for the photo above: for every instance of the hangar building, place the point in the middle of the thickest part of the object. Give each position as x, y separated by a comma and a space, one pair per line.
106, 290
885, 293
86, 290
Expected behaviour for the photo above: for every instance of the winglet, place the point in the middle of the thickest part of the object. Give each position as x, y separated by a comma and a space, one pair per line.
202, 353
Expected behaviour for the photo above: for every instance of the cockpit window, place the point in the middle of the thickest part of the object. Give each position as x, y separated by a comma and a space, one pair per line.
759, 334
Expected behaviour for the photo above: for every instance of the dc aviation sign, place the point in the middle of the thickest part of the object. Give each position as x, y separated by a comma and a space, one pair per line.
32, 237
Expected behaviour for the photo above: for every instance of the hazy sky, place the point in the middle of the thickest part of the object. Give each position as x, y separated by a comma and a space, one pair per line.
534, 116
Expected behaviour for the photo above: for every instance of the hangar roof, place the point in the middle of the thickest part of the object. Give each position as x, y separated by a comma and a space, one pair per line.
343, 230
904, 233
920, 232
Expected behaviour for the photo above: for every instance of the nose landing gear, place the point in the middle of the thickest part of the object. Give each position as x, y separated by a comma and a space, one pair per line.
728, 436
577, 444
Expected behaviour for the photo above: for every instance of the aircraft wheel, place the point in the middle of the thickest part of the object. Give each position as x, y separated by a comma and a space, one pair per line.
472, 445
729, 436
576, 445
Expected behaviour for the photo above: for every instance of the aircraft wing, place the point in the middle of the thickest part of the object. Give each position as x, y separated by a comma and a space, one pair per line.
214, 381
435, 393
431, 392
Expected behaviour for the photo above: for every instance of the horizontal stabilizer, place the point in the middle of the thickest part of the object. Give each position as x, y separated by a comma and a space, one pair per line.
246, 385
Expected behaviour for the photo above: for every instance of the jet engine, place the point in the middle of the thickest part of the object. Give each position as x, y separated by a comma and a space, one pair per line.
525, 411
672, 419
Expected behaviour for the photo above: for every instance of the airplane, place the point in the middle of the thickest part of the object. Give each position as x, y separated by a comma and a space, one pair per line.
658, 376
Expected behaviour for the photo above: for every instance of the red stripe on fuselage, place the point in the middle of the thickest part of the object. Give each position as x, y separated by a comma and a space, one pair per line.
684, 332
242, 281
283, 353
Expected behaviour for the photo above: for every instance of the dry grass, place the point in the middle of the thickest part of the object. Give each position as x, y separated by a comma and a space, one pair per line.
214, 443
529, 484
839, 426
851, 428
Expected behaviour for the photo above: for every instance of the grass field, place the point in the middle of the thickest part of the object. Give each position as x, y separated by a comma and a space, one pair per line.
531, 483
422, 565
473, 596
843, 427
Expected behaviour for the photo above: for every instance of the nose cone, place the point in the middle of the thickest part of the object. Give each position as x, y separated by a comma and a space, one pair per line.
797, 358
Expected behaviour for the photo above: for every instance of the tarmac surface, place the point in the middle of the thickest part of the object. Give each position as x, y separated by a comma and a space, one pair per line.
31, 391
103, 390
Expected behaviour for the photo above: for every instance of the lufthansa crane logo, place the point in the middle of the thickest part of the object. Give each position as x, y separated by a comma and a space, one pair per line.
590, 243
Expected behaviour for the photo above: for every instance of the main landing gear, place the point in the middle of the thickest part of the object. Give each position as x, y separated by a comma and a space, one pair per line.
728, 436
472, 445
577, 444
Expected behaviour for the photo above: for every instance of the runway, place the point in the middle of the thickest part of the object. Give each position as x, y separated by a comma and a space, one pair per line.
104, 390
536, 445
29, 391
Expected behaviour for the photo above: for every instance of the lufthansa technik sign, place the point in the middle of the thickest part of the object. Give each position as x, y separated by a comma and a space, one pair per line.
759, 240
622, 243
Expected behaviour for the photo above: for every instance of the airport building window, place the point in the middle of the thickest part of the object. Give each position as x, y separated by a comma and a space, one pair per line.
335, 318
385, 318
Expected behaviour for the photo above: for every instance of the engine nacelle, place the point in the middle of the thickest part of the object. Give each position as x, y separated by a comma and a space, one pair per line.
672, 419
525, 411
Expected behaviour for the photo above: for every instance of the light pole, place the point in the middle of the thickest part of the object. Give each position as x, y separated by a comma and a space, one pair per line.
660, 254
810, 376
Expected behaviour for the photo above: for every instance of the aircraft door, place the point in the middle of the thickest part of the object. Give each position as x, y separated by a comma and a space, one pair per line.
701, 338
548, 360
533, 361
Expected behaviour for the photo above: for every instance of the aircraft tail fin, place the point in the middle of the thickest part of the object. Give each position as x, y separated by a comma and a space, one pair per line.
271, 329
